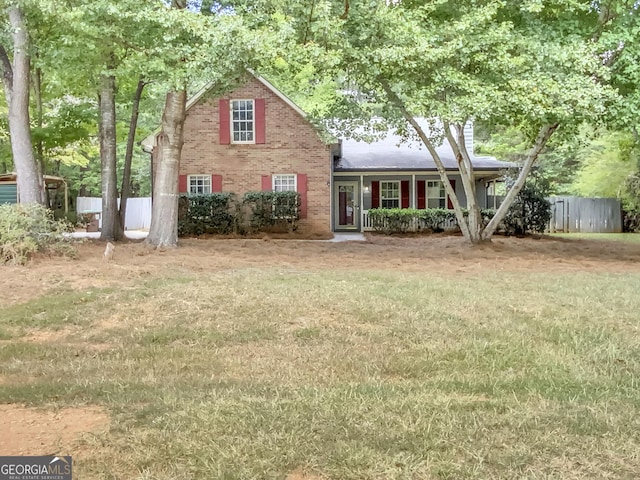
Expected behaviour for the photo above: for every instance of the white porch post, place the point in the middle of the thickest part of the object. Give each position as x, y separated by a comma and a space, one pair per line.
361, 208
413, 191
495, 203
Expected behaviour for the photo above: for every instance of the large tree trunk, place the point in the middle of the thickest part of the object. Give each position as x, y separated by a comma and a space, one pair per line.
111, 228
543, 137
164, 218
473, 220
457, 208
125, 189
16, 86
472, 227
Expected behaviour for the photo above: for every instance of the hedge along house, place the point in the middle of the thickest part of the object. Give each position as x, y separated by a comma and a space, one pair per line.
256, 139
393, 173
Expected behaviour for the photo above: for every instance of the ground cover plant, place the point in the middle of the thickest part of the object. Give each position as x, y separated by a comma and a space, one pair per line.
400, 358
28, 229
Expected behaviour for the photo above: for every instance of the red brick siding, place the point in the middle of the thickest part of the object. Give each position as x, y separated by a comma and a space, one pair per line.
291, 145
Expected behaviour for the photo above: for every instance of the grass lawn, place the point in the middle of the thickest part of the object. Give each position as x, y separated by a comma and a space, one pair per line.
396, 359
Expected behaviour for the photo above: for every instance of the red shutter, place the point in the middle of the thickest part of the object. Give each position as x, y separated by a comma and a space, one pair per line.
302, 190
216, 183
260, 120
182, 184
421, 186
225, 122
266, 183
453, 185
404, 193
375, 194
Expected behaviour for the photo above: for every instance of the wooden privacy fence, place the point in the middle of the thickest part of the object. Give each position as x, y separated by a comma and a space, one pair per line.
585, 215
138, 211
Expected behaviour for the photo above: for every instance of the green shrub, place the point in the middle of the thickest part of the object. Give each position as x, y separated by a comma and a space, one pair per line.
206, 213
272, 211
29, 228
402, 220
531, 211
393, 220
434, 219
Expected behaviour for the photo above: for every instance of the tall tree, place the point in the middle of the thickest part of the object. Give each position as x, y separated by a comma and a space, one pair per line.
524, 63
111, 229
164, 220
16, 80
125, 189
212, 47
163, 231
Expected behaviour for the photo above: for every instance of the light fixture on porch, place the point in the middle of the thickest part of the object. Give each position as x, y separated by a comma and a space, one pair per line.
365, 189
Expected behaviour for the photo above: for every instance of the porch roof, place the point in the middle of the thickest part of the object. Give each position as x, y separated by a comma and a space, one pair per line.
391, 154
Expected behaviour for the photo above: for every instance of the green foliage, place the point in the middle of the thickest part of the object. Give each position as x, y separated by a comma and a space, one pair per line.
29, 228
394, 220
206, 213
272, 211
402, 220
223, 213
609, 166
530, 212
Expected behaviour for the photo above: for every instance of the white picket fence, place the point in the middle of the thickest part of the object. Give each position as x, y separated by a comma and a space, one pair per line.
138, 211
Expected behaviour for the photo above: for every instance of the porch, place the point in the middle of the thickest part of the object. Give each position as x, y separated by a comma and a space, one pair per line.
355, 195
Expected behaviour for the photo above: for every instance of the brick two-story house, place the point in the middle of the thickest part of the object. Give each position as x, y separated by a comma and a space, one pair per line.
255, 138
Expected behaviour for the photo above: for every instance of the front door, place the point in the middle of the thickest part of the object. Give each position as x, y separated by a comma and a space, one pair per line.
347, 209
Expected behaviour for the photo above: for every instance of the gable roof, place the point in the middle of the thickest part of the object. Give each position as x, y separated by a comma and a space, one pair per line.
393, 153
149, 142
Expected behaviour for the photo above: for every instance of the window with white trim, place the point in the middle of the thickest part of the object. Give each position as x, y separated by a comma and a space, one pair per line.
242, 121
199, 184
436, 195
390, 194
283, 183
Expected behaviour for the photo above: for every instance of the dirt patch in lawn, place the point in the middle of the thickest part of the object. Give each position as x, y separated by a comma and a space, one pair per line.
31, 431
436, 254
301, 474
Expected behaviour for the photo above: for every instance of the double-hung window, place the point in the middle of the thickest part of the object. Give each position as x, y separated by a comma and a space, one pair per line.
436, 195
283, 183
199, 184
243, 121
390, 194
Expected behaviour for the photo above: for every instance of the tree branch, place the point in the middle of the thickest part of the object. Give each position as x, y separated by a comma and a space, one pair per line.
7, 73
544, 135
397, 101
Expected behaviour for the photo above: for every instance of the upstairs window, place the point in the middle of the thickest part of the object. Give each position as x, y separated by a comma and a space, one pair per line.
199, 184
242, 121
390, 194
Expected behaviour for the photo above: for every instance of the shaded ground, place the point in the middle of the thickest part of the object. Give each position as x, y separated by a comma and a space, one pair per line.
441, 254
